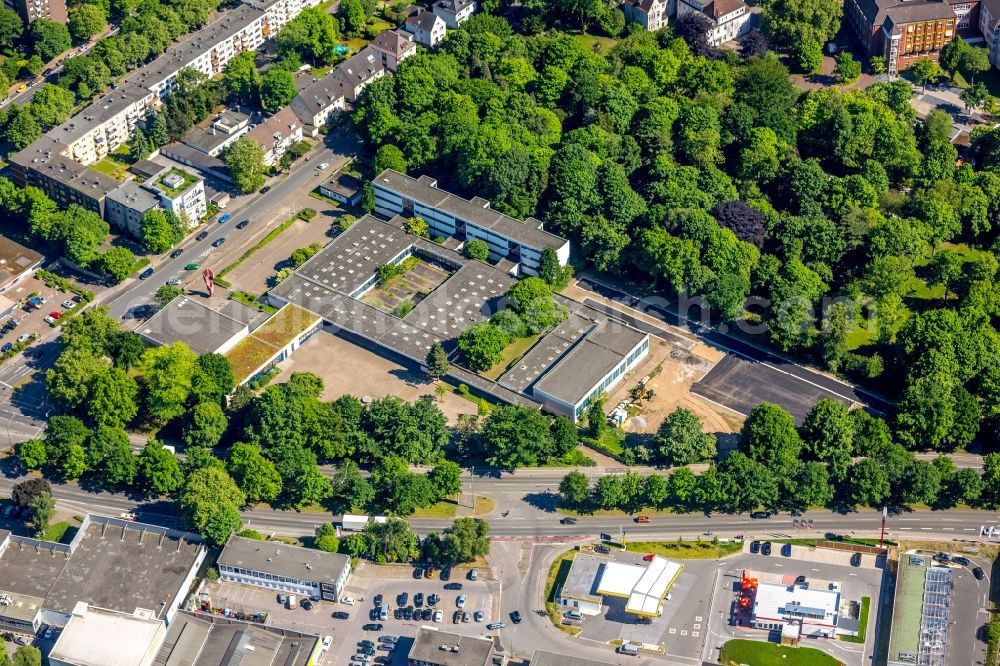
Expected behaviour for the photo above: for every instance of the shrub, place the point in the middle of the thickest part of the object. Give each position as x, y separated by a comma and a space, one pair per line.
477, 249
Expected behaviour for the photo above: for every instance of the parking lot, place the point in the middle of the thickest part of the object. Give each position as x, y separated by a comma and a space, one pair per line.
368, 581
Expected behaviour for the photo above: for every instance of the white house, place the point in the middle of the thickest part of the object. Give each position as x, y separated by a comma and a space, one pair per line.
318, 102
650, 14
395, 47
454, 12
358, 71
276, 134
427, 27
730, 18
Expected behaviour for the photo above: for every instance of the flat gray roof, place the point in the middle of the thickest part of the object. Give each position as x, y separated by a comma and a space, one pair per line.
122, 566
477, 211
581, 582
198, 326
280, 559
23, 607
207, 640
186, 51
132, 195
545, 352
434, 646
44, 157
468, 297
344, 184
591, 359
117, 565
543, 658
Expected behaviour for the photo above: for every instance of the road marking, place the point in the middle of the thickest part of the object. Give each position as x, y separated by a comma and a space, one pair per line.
695, 634
697, 618
926, 529
909, 529
672, 630
684, 632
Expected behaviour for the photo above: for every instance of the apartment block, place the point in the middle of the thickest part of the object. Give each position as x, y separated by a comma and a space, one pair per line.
730, 18
650, 14
277, 134
53, 10
900, 31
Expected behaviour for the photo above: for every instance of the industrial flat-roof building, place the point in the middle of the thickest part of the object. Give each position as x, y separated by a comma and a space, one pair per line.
16, 262
435, 647
98, 637
200, 327
279, 566
591, 578
776, 605
113, 564
584, 355
921, 612
209, 640
450, 215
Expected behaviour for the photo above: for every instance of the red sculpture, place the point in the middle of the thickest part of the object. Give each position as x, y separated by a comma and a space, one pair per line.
209, 277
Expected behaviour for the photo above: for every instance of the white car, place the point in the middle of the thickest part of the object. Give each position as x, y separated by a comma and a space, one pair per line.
348, 600
438, 616
23, 338
460, 602
174, 281
48, 633
320, 167
68, 304
49, 320
327, 642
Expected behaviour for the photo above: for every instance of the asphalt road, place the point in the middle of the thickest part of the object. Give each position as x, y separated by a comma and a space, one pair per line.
266, 212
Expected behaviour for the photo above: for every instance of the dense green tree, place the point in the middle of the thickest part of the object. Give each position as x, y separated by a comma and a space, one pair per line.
241, 78
109, 457
437, 361
515, 437
27, 655
11, 27
446, 477
210, 501
788, 22
482, 345
277, 88
205, 425
112, 398
23, 492
86, 21
391, 541
869, 484
245, 161
156, 232
681, 439
167, 373
48, 38
159, 469
769, 437
574, 489
255, 475
117, 263
477, 249
41, 508
828, 433
350, 489
466, 540
32, 454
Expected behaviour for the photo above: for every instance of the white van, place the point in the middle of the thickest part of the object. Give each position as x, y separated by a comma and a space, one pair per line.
292, 602
628, 648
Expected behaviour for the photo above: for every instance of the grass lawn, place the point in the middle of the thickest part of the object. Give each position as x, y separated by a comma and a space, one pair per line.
111, 168
511, 354
597, 44
866, 603
61, 532
448, 508
757, 653
553, 582
576, 457
611, 441
686, 550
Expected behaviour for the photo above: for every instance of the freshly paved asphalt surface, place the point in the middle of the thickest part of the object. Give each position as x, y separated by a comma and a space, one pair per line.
758, 365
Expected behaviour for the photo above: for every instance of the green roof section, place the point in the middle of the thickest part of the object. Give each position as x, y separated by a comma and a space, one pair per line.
175, 181
268, 339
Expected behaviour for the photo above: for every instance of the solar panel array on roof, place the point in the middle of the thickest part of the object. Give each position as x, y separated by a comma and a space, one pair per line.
935, 614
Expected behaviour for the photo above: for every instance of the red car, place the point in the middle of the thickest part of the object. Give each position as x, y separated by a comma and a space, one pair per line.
56, 315
648, 558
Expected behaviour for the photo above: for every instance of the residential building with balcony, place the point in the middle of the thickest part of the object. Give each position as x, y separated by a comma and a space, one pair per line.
395, 47
53, 10
276, 134
989, 26
180, 192
64, 180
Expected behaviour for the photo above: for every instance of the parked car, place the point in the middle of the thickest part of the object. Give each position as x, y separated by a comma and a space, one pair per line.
243, 224
408, 613
515, 617
176, 253
388, 647
6, 348
493, 626
8, 509
418, 599
466, 617
174, 281
322, 166
446, 573
218, 241
327, 642
145, 274
21, 640
456, 617
347, 600
23, 338
765, 548
427, 615
383, 660
453, 586
372, 627
856, 560
473, 574
282, 598
964, 561
568, 521
438, 616
755, 546
418, 573
67, 304
265, 189
979, 573
478, 617
56, 314
366, 644
306, 604
202, 235
430, 572
760, 515
377, 600
573, 615
340, 615
648, 558
786, 550
402, 599
603, 550
460, 602
388, 639
50, 321
432, 599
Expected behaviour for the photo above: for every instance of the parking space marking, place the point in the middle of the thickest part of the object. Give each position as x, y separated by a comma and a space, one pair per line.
695, 634
697, 626
698, 618
673, 630
684, 632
